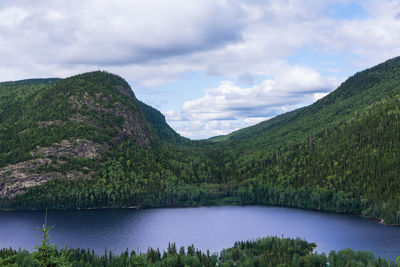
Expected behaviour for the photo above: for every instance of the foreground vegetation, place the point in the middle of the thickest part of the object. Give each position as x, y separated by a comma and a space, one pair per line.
341, 154
269, 251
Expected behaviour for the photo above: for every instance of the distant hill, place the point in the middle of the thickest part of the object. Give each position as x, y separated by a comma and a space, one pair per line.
29, 82
87, 142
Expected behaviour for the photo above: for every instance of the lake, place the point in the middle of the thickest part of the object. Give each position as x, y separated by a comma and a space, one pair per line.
211, 228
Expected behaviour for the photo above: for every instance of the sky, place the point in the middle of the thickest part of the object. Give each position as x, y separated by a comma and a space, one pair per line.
210, 66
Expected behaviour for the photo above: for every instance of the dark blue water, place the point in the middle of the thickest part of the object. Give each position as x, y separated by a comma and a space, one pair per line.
211, 228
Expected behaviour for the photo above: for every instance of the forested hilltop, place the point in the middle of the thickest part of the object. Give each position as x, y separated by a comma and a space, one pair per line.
86, 141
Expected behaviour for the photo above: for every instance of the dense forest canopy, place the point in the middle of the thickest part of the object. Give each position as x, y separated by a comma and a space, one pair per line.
86, 141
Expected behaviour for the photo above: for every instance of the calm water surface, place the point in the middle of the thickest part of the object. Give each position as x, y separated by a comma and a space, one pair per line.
211, 228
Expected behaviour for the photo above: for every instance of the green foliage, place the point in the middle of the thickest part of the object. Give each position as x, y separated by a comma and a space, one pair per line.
272, 251
269, 251
47, 255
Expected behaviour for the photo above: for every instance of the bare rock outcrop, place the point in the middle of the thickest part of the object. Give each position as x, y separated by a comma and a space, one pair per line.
78, 148
15, 179
42, 124
133, 125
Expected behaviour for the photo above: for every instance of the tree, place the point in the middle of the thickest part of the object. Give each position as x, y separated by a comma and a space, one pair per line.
46, 254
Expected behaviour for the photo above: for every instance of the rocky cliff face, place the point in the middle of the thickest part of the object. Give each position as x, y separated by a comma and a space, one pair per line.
16, 178
84, 116
133, 125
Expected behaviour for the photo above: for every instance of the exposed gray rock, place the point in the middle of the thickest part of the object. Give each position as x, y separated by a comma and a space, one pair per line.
127, 92
133, 125
78, 148
42, 124
78, 118
15, 179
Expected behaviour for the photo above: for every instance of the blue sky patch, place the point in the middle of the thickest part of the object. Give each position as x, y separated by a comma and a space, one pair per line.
345, 10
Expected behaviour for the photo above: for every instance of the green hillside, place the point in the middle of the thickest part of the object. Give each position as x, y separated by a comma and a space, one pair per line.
345, 145
340, 154
158, 122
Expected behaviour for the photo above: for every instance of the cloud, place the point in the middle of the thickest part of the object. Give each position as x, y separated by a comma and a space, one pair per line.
369, 40
197, 129
294, 88
173, 115
118, 32
230, 107
246, 78
317, 96
154, 41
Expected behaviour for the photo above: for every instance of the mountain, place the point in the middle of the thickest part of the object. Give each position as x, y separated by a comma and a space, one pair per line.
59, 128
95, 145
345, 146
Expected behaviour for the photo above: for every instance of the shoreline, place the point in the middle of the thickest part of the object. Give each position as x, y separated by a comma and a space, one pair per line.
137, 207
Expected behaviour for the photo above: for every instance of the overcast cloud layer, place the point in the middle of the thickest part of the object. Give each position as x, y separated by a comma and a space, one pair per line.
272, 56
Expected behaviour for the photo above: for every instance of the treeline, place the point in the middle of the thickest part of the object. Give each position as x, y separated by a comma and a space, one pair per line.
269, 251
163, 177
86, 193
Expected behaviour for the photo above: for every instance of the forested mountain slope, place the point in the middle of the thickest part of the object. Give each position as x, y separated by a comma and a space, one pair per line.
340, 154
158, 122
346, 145
52, 128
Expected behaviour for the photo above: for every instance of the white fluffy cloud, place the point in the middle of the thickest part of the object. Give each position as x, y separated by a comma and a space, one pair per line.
230, 107
72, 35
197, 129
154, 41
372, 39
